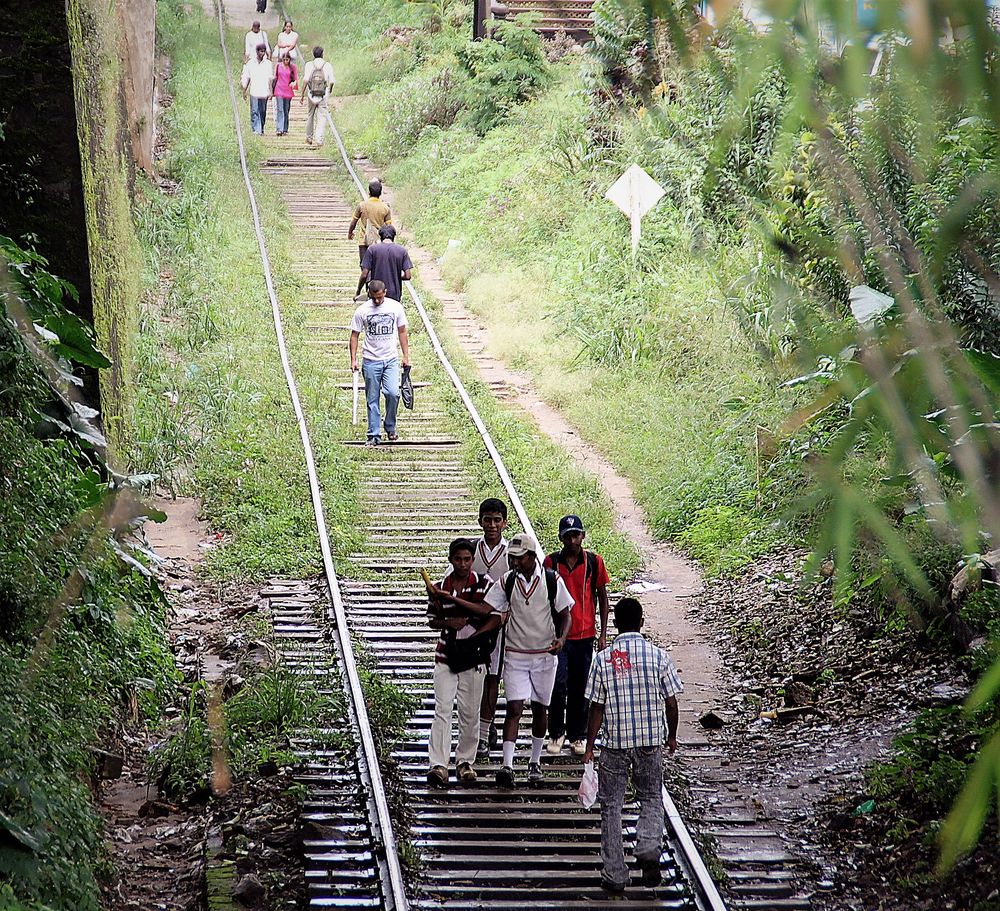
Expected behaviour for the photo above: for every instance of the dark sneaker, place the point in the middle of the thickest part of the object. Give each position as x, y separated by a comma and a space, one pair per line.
372, 441
483, 752
392, 437
505, 778
466, 774
609, 886
651, 875
535, 774
437, 777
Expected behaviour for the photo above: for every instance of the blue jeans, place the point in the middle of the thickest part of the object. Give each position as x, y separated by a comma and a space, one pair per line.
258, 114
568, 708
381, 377
281, 108
647, 779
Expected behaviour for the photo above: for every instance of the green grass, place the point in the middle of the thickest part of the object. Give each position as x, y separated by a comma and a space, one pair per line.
213, 411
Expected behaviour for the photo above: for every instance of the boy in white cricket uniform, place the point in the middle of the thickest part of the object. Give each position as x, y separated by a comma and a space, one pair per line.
490, 560
531, 596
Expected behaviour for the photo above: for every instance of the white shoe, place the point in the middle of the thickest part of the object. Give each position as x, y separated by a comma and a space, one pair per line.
555, 745
579, 747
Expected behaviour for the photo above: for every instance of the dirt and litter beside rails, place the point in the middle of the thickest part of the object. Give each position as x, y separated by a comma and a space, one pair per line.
164, 849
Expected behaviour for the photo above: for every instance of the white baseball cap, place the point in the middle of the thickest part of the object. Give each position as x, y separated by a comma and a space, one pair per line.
521, 544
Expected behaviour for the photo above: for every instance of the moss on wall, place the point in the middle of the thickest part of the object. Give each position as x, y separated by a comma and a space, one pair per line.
97, 50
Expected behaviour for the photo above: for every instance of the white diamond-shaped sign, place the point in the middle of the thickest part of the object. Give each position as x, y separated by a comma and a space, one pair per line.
868, 305
635, 193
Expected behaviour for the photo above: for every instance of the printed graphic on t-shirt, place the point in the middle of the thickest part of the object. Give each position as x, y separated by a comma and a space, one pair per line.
620, 662
380, 324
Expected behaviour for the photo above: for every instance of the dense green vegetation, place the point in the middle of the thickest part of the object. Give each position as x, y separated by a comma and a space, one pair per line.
625, 351
81, 630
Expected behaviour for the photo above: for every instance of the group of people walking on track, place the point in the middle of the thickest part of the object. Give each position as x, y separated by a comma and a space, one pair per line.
507, 611
274, 73
380, 317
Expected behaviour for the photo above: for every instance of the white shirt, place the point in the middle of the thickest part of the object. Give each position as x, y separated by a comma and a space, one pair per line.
530, 627
257, 74
310, 68
287, 40
251, 42
380, 326
488, 561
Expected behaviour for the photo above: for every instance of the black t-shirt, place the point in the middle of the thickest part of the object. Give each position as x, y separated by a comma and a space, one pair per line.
387, 261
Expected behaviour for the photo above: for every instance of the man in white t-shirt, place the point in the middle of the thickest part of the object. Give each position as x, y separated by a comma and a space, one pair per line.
532, 598
316, 80
254, 37
257, 80
382, 321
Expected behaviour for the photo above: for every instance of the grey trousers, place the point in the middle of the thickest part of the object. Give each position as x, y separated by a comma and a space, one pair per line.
315, 119
646, 765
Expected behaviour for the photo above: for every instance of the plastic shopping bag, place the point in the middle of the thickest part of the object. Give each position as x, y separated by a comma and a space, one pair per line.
588, 787
406, 389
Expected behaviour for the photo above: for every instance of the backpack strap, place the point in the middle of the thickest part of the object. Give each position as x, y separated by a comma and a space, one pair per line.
508, 584
592, 572
551, 579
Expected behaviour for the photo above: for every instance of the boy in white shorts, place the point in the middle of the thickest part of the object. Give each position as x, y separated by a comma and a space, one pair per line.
534, 598
490, 560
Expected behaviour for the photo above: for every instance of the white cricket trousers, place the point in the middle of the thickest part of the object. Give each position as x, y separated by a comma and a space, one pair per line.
467, 690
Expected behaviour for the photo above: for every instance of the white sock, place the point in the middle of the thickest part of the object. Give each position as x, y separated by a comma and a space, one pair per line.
484, 730
536, 748
508, 753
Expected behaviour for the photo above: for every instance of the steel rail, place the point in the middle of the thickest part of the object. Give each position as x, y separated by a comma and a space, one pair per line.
392, 874
708, 893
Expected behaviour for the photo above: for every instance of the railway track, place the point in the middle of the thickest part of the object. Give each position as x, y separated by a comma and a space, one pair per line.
478, 847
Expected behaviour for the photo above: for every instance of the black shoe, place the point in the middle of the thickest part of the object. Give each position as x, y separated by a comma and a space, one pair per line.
505, 778
651, 875
535, 774
608, 886
483, 752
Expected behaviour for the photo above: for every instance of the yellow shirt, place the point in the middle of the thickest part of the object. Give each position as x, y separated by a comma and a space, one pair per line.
373, 210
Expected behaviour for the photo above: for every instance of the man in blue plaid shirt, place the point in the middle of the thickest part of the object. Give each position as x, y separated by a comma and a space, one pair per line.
633, 691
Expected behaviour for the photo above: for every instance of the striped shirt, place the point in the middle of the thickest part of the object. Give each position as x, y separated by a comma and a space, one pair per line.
474, 590
631, 678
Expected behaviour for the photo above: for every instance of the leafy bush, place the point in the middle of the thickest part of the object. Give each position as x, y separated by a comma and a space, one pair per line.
502, 72
430, 97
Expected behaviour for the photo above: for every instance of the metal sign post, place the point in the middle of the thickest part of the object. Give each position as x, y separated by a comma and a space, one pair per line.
635, 193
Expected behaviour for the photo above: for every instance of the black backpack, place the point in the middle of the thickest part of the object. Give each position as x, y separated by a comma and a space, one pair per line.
551, 580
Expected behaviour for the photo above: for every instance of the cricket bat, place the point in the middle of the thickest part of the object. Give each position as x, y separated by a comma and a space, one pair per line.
354, 409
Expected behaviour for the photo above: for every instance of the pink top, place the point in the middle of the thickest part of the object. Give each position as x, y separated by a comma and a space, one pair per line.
286, 76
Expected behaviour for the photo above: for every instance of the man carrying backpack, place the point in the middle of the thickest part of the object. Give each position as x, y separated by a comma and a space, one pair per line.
317, 80
538, 609
586, 580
